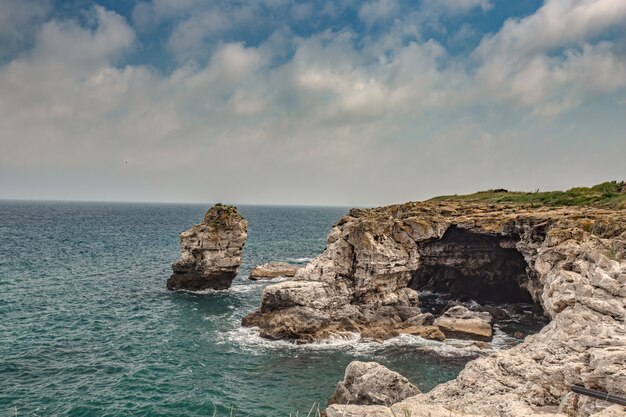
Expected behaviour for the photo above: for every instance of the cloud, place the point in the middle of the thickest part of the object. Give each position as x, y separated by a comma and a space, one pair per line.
456, 7
188, 40
558, 23
549, 60
149, 14
334, 116
19, 21
378, 11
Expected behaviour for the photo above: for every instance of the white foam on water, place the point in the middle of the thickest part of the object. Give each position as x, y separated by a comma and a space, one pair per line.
501, 340
235, 289
299, 260
248, 338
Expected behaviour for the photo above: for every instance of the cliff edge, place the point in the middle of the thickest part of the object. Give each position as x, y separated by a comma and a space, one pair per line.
569, 261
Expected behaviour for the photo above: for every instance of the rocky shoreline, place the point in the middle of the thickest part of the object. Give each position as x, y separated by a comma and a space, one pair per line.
567, 263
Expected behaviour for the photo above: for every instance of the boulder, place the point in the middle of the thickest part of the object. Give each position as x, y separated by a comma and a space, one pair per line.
378, 333
496, 312
459, 320
422, 319
427, 332
369, 383
272, 270
210, 251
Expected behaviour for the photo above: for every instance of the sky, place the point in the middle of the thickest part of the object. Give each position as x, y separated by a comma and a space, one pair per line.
323, 102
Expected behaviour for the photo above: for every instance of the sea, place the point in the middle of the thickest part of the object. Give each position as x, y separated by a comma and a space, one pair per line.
87, 327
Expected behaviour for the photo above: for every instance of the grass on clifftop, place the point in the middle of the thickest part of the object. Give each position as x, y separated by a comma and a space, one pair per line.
610, 194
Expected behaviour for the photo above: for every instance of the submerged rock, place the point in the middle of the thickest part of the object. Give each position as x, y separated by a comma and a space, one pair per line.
369, 383
273, 270
210, 251
460, 320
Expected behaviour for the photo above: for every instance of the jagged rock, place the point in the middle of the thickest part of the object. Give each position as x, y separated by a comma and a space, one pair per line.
579, 278
612, 411
422, 319
369, 383
273, 270
460, 320
417, 406
210, 251
496, 312
379, 333
427, 332
569, 261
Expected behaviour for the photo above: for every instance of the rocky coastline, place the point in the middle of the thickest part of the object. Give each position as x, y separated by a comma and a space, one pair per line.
567, 263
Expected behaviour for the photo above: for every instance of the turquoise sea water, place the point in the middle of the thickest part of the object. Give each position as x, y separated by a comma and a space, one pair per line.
87, 327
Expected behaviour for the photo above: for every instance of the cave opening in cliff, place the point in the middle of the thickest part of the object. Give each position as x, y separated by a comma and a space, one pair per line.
467, 266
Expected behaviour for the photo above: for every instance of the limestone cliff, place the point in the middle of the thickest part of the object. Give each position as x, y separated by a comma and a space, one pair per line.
210, 251
569, 260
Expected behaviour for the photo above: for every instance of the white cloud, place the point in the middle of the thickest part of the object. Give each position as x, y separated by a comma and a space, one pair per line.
456, 7
19, 20
549, 61
148, 14
558, 23
340, 120
378, 11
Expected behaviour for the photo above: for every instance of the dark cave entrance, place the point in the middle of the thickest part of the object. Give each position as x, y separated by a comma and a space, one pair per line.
473, 266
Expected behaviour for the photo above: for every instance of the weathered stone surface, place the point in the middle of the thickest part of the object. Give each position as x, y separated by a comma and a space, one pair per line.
379, 333
369, 383
422, 319
273, 270
496, 312
576, 270
460, 320
210, 251
427, 332
612, 411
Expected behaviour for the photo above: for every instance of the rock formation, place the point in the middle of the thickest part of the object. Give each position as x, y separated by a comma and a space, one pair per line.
460, 320
210, 251
272, 270
369, 383
570, 261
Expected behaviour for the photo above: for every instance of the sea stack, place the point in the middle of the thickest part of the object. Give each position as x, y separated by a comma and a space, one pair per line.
210, 251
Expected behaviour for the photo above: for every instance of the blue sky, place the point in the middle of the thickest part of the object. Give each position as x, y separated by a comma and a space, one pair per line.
321, 102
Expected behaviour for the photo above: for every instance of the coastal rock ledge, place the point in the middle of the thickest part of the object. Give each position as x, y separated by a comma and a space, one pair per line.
210, 251
271, 270
570, 262
369, 383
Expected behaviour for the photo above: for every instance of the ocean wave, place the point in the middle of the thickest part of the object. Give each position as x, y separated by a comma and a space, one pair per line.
502, 340
303, 260
235, 289
248, 339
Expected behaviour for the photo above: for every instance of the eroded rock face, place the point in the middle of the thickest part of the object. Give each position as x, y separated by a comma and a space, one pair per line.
369, 383
210, 251
472, 266
576, 270
272, 270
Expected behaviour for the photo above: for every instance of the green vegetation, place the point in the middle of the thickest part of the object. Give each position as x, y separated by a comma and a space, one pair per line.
610, 194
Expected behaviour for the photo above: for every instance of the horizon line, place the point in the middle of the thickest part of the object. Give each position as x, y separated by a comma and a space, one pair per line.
188, 203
